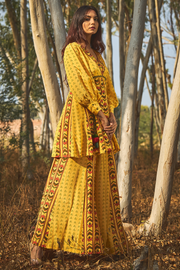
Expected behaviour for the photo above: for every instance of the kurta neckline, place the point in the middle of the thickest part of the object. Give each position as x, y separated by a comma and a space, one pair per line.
89, 54
99, 63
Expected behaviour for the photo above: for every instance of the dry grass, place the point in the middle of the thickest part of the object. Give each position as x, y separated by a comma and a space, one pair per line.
20, 201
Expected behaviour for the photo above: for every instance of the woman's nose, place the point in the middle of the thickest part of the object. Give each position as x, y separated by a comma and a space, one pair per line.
92, 21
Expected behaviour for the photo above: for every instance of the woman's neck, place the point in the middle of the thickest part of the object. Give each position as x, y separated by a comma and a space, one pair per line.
88, 38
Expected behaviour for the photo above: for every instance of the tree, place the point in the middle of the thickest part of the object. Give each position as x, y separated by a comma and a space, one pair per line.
108, 39
125, 160
14, 26
161, 55
60, 38
166, 165
24, 87
121, 44
45, 61
161, 98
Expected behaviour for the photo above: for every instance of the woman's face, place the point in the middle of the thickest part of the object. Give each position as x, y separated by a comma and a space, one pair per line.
90, 24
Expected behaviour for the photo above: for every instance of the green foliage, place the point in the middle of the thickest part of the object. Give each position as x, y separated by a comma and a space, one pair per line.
10, 68
144, 127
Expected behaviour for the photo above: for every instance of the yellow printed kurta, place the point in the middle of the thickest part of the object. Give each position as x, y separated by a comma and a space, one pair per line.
91, 90
80, 210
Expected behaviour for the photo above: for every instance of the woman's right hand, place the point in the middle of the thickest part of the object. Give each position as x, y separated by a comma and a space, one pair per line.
108, 128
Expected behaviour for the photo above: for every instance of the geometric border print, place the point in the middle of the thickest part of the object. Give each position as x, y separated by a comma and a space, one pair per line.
92, 239
47, 202
119, 236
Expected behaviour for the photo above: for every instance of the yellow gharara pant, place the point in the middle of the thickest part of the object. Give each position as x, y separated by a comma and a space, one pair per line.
80, 210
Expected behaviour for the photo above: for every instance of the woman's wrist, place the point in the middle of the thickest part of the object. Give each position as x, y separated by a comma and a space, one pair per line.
101, 115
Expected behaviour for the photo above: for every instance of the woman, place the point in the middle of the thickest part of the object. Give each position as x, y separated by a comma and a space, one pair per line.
80, 206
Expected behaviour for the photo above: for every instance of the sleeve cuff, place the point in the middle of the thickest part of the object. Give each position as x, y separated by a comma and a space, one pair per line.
94, 108
111, 109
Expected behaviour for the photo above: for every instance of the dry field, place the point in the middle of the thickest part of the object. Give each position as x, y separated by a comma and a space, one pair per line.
19, 203
14, 129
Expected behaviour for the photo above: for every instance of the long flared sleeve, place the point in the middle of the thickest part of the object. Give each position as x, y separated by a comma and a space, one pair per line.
80, 79
111, 95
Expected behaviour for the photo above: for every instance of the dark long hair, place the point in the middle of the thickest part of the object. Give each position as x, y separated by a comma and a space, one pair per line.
76, 33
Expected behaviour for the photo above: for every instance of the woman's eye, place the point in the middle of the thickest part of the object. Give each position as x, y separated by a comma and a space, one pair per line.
87, 19
96, 19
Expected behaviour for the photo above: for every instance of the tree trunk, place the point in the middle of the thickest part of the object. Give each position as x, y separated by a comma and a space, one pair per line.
24, 87
13, 23
45, 61
152, 109
121, 45
177, 58
156, 118
31, 131
108, 39
47, 132
126, 154
163, 68
140, 92
178, 150
166, 165
33, 74
162, 111
60, 38
42, 115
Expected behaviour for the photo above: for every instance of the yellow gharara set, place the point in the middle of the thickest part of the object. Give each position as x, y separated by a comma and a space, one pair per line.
80, 210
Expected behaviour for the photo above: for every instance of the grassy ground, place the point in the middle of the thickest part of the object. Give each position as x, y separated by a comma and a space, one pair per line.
20, 199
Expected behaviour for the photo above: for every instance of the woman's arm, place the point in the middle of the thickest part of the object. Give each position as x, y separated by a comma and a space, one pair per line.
80, 78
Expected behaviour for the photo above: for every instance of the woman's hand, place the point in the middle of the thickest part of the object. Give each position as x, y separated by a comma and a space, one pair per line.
112, 120
107, 126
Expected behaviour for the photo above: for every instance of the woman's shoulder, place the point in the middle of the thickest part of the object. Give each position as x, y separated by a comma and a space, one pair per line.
73, 46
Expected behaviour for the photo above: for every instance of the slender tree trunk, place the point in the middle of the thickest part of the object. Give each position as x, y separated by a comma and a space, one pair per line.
47, 132
172, 28
50, 137
31, 131
45, 61
56, 60
33, 74
163, 68
177, 58
162, 111
166, 165
68, 12
42, 115
178, 150
60, 37
24, 87
108, 39
152, 109
126, 154
145, 61
14, 26
121, 45
176, 13
156, 118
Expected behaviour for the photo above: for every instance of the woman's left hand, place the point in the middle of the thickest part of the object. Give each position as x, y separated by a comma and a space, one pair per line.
113, 125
